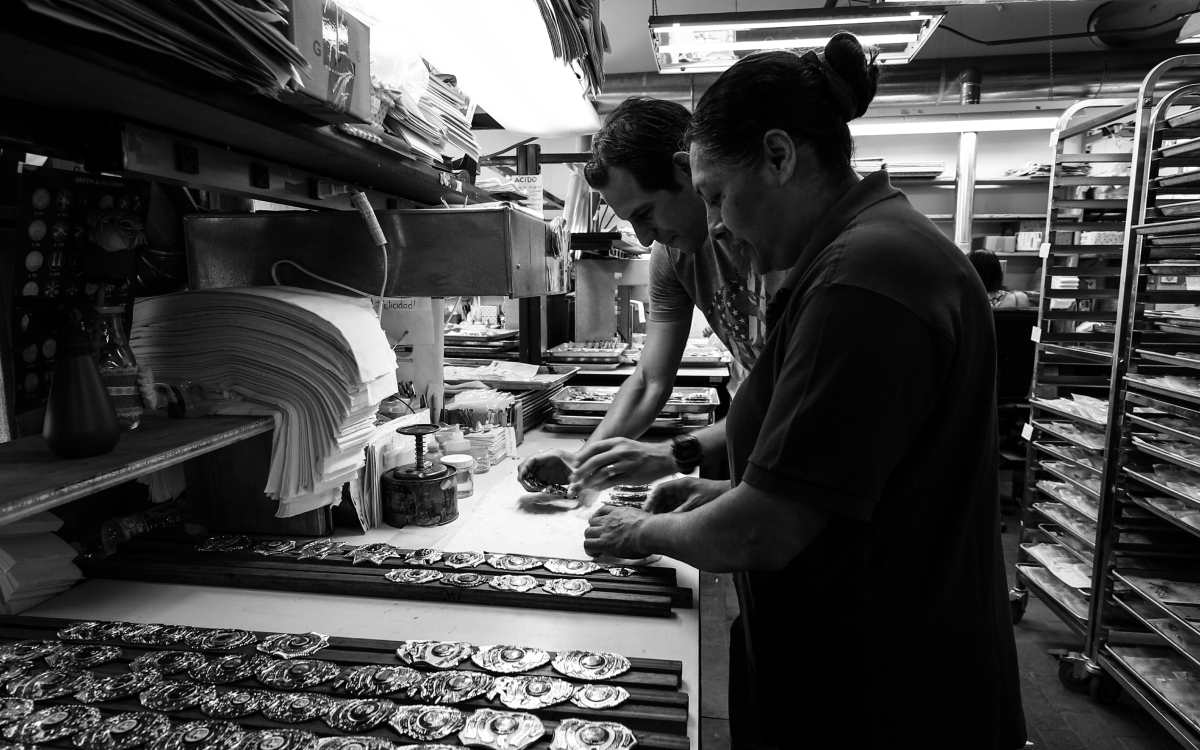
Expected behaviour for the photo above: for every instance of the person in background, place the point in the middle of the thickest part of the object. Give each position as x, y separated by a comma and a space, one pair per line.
987, 265
862, 525
637, 166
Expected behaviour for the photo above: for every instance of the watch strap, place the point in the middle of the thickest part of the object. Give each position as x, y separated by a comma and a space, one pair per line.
687, 453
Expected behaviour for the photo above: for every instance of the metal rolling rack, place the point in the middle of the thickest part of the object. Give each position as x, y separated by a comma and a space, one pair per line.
1140, 638
1068, 362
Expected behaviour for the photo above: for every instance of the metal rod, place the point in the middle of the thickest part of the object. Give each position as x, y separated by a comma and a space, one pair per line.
964, 198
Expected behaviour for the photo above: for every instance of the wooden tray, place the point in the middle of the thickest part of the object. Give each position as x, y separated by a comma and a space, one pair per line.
656, 711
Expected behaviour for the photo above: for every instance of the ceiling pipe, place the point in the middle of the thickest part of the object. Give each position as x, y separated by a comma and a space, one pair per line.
1111, 21
1011, 78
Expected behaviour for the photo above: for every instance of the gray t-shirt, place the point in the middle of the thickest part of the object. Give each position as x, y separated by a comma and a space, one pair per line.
732, 297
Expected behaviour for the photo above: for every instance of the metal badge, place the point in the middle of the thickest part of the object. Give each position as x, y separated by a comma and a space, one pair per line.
464, 559
618, 503
414, 575
201, 735
124, 731
224, 543
513, 562
567, 586
176, 695
571, 567
464, 580
278, 739
533, 484
368, 682
82, 657
577, 734
424, 723
453, 687
509, 659
621, 572
228, 668
296, 674
158, 635
427, 747
221, 639
375, 553
297, 708
599, 696
12, 709
274, 547
53, 683
359, 715
52, 723
117, 686
501, 730
437, 654
14, 669
320, 549
423, 556
630, 495
234, 704
293, 645
355, 743
590, 665
167, 662
27, 650
529, 691
519, 584
642, 488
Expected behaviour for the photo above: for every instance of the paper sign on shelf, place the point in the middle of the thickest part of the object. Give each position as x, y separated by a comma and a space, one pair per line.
530, 185
1036, 334
1027, 432
1044, 250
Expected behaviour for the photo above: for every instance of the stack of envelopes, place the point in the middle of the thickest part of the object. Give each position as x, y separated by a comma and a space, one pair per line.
34, 563
318, 363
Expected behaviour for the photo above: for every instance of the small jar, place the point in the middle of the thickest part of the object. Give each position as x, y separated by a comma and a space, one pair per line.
463, 464
482, 463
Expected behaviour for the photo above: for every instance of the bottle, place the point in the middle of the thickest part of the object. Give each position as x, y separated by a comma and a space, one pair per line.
80, 419
456, 443
118, 368
479, 451
122, 529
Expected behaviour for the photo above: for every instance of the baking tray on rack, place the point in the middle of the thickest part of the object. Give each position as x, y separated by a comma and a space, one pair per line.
472, 337
600, 397
587, 352
544, 380
594, 420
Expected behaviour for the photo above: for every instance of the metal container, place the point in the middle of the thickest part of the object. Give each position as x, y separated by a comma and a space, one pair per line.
423, 493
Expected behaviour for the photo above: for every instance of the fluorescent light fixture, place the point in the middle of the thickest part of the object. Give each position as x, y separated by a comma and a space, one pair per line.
1190, 33
864, 127
711, 42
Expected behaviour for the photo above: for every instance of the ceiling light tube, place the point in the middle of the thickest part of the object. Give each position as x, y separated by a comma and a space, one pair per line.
891, 17
675, 49
929, 127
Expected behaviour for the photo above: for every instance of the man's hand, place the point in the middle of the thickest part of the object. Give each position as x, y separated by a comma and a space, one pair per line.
685, 494
614, 532
607, 463
547, 467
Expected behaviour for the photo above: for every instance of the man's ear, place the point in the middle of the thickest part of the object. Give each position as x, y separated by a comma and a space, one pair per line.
683, 169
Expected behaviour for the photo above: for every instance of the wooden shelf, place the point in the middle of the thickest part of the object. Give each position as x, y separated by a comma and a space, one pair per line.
76, 85
36, 480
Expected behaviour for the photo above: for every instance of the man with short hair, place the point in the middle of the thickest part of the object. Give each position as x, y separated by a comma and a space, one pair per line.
637, 166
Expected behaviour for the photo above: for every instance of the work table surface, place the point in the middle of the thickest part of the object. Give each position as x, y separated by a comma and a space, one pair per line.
488, 514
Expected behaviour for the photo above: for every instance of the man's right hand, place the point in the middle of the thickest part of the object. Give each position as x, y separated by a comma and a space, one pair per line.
685, 494
548, 467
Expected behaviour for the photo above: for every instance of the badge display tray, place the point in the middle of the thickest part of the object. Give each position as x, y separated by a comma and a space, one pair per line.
650, 591
656, 711
568, 399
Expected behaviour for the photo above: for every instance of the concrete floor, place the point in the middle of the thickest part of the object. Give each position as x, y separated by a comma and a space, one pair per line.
1057, 718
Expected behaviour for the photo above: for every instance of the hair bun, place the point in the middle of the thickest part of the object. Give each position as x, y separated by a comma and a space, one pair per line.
856, 66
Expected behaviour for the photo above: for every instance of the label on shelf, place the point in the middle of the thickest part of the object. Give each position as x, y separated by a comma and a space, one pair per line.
1044, 250
1036, 334
1027, 431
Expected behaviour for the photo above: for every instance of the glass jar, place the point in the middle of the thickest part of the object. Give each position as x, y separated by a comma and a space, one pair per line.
462, 464
118, 369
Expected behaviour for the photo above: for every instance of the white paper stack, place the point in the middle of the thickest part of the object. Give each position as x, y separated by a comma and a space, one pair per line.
318, 363
34, 563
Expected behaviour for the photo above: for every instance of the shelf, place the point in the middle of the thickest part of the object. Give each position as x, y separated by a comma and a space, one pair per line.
1184, 641
1044, 406
1157, 486
1164, 430
1169, 359
1087, 249
1074, 483
1051, 449
1048, 427
1099, 121
1152, 450
1077, 352
1137, 382
73, 81
1067, 542
1066, 519
1160, 709
1164, 515
1172, 409
1067, 604
36, 480
1085, 158
1020, 255
1044, 561
1138, 583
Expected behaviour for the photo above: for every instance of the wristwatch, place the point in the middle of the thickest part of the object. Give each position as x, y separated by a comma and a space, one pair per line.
686, 451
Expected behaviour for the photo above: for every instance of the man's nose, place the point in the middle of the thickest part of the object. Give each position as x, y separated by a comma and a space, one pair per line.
716, 227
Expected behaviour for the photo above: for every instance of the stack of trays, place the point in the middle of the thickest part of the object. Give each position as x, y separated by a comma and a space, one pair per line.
587, 355
582, 408
481, 344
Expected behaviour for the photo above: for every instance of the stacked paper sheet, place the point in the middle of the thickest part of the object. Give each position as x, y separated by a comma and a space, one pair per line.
34, 563
318, 363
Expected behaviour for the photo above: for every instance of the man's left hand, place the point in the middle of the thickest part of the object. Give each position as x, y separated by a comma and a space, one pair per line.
614, 532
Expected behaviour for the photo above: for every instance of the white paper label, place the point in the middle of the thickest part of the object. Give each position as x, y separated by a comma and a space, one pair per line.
1027, 432
530, 185
1044, 251
1036, 334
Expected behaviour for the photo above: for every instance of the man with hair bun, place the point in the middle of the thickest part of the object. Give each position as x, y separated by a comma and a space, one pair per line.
863, 520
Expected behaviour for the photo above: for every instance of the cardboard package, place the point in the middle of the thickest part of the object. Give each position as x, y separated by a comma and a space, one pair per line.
337, 86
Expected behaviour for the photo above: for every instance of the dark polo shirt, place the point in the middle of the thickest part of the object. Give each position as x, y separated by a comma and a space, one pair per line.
874, 398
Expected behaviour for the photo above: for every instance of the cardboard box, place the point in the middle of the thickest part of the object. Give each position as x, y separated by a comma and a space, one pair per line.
337, 86
997, 244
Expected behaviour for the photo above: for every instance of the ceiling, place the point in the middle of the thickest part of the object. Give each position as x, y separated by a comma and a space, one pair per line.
630, 41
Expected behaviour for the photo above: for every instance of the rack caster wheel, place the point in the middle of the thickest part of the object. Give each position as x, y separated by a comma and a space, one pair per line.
1066, 675
1105, 689
1018, 602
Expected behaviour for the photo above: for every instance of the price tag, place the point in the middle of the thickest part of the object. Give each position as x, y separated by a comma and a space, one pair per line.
1036, 334
1044, 251
1027, 432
